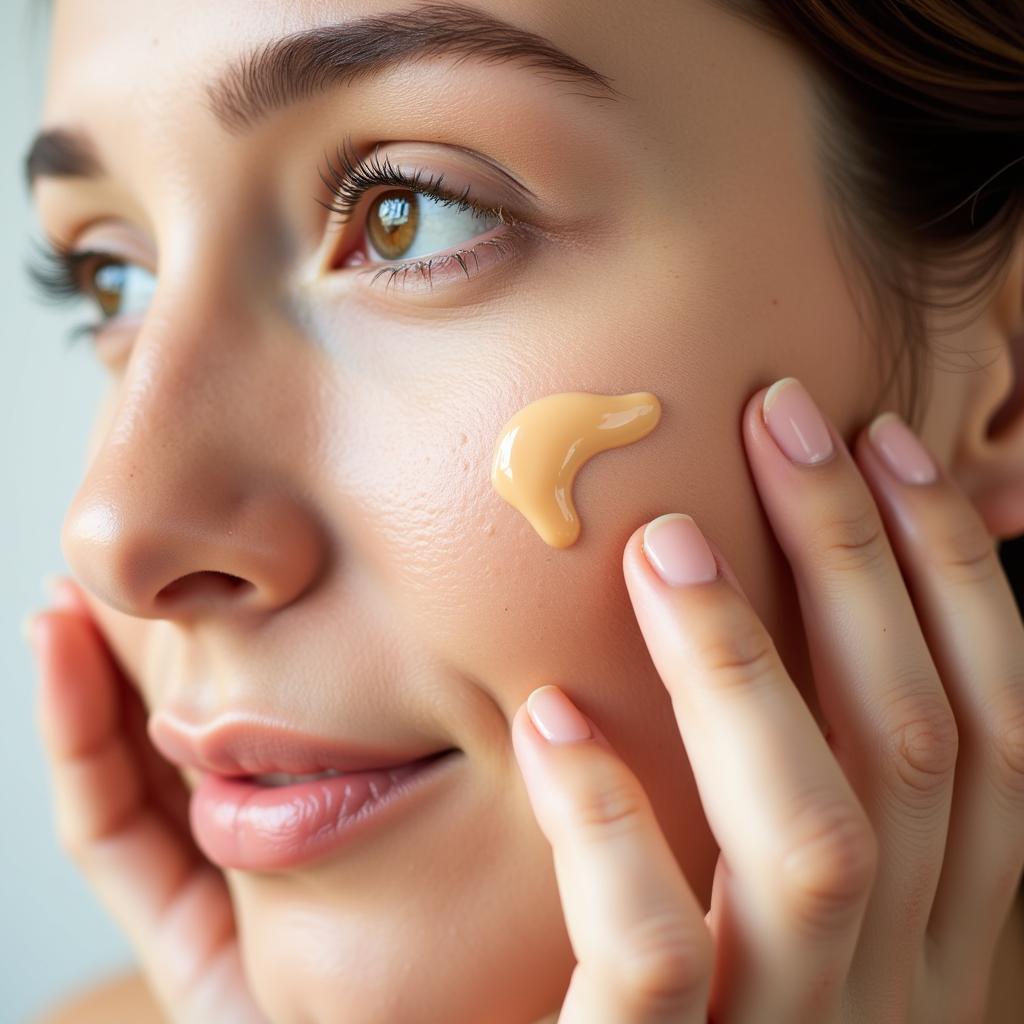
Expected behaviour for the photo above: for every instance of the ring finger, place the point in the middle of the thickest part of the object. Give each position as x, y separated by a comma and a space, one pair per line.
891, 725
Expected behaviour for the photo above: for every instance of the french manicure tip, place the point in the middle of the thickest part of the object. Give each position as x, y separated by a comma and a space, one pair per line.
769, 395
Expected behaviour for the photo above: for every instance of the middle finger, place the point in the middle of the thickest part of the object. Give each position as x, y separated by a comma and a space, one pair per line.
891, 725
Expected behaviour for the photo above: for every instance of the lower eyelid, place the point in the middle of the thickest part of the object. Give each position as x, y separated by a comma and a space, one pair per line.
490, 255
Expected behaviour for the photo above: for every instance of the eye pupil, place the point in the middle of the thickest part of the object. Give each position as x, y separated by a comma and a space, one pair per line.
392, 223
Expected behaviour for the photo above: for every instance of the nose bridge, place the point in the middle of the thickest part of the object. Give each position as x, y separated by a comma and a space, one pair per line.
194, 498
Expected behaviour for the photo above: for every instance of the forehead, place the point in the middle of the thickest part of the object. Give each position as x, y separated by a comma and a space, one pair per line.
157, 56
172, 50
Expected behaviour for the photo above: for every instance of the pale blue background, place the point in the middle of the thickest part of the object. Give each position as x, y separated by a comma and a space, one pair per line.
54, 935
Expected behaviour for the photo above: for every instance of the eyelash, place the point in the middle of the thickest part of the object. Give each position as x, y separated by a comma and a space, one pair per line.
57, 271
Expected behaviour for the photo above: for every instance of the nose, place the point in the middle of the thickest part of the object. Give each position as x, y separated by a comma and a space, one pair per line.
195, 497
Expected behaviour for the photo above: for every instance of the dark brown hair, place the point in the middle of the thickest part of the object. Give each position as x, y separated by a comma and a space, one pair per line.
922, 141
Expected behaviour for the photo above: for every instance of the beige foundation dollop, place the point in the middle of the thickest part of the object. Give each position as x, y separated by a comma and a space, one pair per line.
541, 449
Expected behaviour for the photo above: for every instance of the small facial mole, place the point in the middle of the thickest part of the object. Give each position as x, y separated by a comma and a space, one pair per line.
541, 449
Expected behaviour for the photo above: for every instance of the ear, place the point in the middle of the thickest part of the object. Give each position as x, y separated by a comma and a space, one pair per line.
989, 459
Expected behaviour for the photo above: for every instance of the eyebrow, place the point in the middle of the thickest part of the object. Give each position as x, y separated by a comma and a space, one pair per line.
303, 64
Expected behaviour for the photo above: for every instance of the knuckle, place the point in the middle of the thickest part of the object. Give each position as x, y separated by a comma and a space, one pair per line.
924, 744
609, 802
1007, 744
966, 553
738, 651
853, 540
665, 963
828, 871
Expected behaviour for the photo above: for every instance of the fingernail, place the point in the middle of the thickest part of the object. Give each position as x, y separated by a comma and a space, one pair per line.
556, 717
796, 424
677, 550
901, 450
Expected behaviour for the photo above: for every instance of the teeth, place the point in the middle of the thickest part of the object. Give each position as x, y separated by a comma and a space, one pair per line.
284, 779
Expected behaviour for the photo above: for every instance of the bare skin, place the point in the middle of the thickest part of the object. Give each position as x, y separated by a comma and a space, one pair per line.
277, 418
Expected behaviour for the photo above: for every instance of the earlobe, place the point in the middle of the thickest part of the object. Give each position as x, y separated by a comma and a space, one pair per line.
989, 461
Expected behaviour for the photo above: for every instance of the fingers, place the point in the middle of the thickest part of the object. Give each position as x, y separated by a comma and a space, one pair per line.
974, 630
800, 850
139, 864
637, 930
892, 726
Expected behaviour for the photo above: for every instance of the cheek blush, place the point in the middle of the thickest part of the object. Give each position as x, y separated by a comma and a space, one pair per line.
542, 447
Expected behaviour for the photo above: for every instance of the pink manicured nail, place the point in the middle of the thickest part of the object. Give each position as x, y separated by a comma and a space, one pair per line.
796, 424
556, 717
677, 550
902, 451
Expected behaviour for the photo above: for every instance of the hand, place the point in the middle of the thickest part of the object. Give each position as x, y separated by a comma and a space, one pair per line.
122, 815
859, 879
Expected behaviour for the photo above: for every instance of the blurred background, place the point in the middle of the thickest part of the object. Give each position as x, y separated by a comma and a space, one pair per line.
54, 935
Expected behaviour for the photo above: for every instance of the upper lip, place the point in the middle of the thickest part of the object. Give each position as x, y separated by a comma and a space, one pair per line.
242, 744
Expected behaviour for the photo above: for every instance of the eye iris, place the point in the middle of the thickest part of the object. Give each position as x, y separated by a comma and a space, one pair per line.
108, 286
392, 222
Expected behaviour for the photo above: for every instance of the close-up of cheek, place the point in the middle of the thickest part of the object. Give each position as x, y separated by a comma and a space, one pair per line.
471, 574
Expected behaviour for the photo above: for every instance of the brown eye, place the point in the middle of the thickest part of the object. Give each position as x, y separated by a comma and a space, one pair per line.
392, 222
119, 288
108, 282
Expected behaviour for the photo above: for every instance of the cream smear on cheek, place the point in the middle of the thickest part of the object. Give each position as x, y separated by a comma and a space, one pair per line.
542, 447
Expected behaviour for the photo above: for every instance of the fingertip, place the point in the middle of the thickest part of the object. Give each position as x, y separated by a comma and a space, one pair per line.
27, 628
724, 567
64, 593
634, 561
522, 728
39, 627
753, 411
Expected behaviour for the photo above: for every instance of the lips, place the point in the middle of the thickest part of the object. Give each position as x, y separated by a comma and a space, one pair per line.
240, 745
270, 797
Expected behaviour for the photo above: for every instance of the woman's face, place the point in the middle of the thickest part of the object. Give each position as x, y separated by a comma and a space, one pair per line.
279, 419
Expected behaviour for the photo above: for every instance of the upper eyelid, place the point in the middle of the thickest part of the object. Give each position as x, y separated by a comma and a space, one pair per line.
356, 175
464, 200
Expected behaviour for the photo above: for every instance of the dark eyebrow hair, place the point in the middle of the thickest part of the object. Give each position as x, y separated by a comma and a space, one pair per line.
300, 65
305, 63
61, 153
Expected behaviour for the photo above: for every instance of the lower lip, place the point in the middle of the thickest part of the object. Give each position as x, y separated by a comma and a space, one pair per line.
244, 825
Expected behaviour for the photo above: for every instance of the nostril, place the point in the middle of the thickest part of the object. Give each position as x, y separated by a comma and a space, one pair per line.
205, 584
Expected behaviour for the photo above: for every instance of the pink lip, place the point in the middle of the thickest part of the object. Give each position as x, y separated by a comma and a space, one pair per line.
242, 824
239, 744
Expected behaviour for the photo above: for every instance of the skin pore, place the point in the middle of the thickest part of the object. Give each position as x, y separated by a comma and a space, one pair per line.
280, 419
